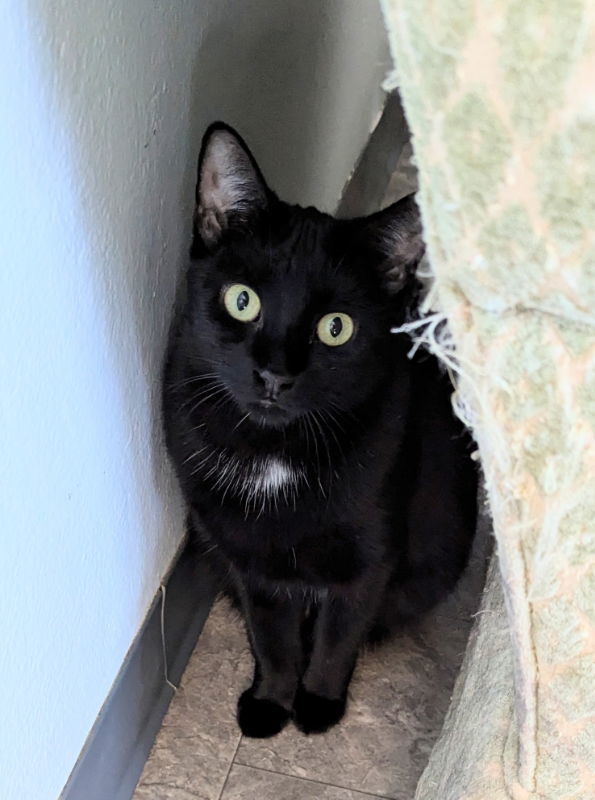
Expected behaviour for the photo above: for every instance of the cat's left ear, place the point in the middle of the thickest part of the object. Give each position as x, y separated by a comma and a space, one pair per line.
230, 192
396, 237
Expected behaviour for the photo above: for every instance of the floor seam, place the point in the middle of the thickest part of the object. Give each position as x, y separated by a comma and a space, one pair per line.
311, 780
231, 763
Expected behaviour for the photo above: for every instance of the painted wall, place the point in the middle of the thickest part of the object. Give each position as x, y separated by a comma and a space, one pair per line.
101, 108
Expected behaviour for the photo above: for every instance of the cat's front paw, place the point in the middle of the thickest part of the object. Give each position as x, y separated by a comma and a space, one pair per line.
260, 718
316, 714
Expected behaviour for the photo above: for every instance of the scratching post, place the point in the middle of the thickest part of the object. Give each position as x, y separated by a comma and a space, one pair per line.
499, 97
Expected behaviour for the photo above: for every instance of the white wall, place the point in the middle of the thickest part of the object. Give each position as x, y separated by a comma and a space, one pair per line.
102, 104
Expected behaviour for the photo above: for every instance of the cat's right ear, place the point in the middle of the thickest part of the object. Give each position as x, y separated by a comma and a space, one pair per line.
230, 192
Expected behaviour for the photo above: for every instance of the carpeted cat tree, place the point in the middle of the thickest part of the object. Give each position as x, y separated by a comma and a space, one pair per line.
500, 99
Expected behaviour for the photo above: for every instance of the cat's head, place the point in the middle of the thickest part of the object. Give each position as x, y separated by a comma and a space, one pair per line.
289, 309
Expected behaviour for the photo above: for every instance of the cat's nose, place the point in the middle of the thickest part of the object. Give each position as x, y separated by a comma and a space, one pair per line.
270, 384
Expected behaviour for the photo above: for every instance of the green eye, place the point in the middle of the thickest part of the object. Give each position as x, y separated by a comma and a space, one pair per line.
335, 329
241, 302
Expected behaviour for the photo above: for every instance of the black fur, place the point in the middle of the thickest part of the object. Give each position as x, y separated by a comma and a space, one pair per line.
378, 527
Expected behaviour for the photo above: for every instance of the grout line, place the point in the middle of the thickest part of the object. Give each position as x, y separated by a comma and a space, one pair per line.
231, 763
310, 780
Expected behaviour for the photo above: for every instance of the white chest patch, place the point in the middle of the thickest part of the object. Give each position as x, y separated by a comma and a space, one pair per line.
271, 475
259, 482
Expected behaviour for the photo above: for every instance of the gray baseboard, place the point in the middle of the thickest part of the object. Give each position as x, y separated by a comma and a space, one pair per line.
119, 743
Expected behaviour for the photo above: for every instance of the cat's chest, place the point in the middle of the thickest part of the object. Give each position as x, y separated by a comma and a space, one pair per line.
279, 528
269, 476
257, 483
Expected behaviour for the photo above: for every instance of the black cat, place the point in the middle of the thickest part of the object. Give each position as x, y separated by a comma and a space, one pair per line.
325, 472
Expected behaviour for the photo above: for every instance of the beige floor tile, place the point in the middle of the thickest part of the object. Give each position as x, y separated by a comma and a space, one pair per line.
161, 792
246, 783
199, 735
177, 770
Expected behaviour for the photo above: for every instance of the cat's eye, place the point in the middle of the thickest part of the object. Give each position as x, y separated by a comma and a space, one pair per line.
241, 302
335, 329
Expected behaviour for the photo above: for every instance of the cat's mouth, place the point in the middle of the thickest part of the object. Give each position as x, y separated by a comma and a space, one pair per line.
269, 412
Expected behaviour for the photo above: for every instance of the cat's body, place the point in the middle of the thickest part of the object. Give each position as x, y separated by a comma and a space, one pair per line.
330, 485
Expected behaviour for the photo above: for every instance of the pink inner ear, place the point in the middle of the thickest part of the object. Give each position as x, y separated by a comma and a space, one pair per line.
228, 182
210, 224
219, 181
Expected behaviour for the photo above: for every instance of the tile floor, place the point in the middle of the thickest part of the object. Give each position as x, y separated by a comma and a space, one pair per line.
399, 696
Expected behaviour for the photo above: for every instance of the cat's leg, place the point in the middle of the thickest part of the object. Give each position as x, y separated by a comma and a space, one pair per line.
343, 622
274, 629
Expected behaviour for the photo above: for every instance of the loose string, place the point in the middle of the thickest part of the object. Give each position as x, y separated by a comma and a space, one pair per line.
163, 645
